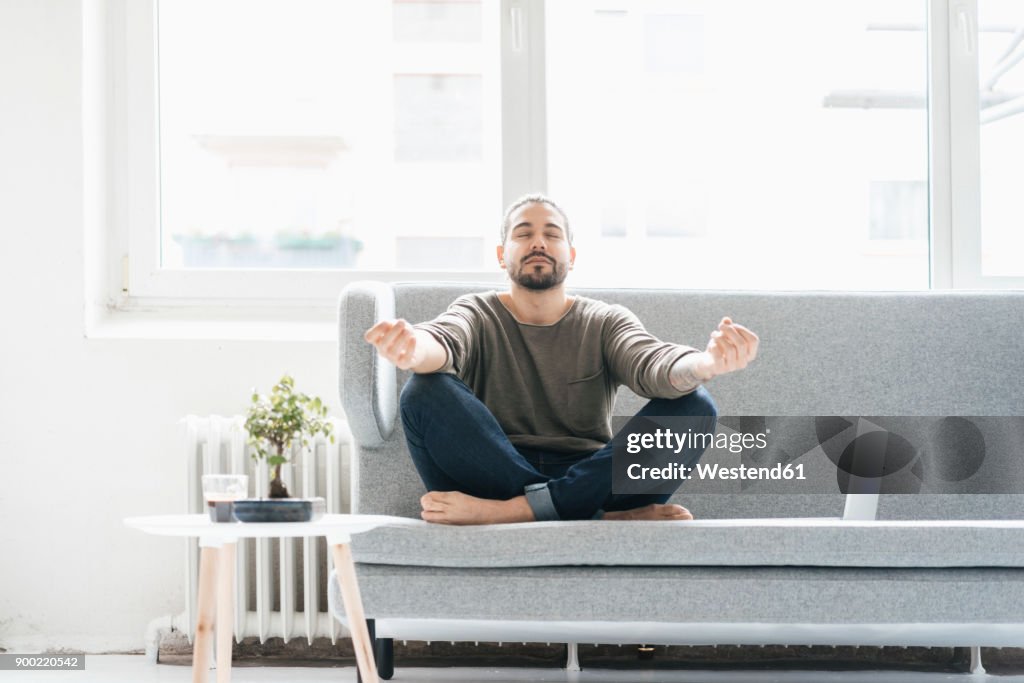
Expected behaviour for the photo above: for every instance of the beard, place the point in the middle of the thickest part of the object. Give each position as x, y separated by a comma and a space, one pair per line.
537, 278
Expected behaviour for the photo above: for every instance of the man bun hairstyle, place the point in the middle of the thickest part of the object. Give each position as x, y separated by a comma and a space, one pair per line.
533, 198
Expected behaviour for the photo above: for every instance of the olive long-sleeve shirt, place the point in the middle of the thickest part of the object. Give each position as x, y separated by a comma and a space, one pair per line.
552, 387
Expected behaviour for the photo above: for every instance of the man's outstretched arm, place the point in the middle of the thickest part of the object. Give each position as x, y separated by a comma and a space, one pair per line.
408, 348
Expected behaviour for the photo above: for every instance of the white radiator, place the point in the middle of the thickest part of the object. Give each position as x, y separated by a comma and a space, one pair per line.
280, 583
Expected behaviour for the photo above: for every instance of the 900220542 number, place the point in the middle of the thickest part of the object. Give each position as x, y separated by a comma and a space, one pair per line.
9, 662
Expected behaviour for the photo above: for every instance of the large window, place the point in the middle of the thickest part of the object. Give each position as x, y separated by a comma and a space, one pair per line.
278, 149
736, 147
323, 134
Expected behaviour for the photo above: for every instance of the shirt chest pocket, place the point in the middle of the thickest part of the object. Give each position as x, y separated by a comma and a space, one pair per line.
588, 405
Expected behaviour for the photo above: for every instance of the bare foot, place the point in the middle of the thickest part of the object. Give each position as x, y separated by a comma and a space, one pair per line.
453, 507
654, 511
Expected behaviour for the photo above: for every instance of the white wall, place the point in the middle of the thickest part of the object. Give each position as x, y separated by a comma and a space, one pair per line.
88, 431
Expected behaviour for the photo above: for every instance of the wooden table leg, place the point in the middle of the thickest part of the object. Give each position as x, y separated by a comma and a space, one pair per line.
354, 610
206, 606
225, 611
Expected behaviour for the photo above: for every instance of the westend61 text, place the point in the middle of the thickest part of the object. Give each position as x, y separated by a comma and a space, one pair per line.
709, 471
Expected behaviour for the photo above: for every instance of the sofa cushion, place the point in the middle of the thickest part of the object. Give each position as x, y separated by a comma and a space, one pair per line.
781, 595
709, 542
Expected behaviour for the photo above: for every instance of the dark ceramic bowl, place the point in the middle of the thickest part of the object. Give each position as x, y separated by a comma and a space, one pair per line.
279, 509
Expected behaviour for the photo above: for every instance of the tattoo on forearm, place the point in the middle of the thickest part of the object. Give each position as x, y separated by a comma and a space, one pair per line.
683, 374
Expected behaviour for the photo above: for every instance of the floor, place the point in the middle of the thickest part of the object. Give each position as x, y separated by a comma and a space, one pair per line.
136, 669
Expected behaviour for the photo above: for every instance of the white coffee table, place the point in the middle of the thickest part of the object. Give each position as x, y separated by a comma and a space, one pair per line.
217, 577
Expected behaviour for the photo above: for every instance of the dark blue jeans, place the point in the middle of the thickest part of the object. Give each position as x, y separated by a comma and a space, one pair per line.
458, 445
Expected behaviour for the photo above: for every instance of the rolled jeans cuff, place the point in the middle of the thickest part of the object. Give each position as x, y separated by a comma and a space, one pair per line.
538, 497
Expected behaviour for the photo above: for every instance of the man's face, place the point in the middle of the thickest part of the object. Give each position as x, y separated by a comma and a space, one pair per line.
536, 252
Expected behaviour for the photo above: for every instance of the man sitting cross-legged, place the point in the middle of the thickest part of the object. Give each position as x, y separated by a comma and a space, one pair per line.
507, 414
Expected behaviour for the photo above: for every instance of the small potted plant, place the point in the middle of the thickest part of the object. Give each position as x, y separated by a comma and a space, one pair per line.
274, 422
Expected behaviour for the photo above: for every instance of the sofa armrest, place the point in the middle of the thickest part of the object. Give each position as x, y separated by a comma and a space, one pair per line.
366, 382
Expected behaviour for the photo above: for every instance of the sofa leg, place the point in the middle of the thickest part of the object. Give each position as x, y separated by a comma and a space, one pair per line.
572, 657
384, 653
976, 667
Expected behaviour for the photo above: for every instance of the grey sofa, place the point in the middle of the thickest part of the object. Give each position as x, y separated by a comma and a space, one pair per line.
800, 568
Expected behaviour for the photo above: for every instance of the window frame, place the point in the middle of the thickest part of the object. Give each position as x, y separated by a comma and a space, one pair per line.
953, 183
955, 151
135, 173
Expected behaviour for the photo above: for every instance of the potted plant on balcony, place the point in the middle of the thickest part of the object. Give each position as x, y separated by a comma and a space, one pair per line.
274, 423
299, 248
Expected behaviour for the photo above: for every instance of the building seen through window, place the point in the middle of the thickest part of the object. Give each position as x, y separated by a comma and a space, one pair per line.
683, 137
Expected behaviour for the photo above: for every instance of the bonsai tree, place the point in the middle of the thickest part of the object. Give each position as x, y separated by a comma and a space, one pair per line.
275, 421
